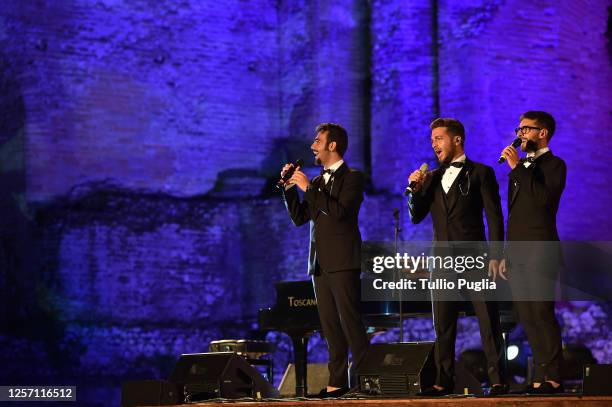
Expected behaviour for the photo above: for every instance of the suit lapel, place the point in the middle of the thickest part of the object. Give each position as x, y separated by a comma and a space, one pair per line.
335, 179
318, 182
514, 186
436, 183
332, 185
339, 173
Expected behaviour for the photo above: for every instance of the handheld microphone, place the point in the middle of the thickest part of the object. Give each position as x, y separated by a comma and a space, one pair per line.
424, 167
517, 142
289, 174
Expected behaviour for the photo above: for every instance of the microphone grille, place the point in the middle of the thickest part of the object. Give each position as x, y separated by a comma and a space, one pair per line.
424, 167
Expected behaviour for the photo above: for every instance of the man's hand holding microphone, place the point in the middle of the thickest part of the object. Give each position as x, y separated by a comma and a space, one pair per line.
510, 155
292, 174
417, 179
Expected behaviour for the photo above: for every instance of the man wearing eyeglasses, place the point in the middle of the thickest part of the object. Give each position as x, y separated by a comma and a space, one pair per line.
456, 194
536, 183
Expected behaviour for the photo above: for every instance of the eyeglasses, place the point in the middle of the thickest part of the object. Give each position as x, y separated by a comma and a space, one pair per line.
521, 131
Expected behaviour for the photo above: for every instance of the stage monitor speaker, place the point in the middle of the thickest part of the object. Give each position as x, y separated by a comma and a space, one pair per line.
596, 380
316, 379
397, 369
466, 381
219, 375
150, 393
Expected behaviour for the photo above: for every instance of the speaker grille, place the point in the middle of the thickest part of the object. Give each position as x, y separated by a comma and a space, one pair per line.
205, 387
394, 384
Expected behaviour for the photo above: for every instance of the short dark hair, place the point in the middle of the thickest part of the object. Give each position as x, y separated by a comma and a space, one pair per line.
336, 133
454, 126
543, 119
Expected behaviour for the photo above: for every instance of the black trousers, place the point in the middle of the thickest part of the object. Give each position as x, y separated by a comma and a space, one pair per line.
338, 301
533, 289
445, 315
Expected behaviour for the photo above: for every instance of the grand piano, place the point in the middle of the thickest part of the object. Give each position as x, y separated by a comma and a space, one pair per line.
295, 313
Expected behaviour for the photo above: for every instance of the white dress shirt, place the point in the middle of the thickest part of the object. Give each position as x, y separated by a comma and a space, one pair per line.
451, 174
333, 168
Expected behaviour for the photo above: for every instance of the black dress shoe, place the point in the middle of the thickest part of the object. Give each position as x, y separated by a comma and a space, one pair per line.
547, 388
320, 395
433, 392
528, 389
498, 390
323, 394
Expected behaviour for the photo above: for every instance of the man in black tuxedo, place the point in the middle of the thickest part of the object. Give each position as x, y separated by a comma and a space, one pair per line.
534, 191
456, 194
331, 203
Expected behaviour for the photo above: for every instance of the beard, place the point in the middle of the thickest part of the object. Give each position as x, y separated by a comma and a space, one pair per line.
448, 156
531, 146
317, 161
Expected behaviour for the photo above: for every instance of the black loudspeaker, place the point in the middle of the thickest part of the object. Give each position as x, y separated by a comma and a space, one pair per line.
150, 393
471, 372
397, 369
220, 374
597, 381
466, 380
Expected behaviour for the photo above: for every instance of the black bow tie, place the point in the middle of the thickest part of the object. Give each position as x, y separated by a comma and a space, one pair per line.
327, 171
456, 164
529, 159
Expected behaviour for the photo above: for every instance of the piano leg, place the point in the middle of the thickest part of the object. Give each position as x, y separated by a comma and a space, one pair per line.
300, 351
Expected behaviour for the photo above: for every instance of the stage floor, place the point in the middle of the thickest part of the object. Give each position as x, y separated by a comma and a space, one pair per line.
505, 401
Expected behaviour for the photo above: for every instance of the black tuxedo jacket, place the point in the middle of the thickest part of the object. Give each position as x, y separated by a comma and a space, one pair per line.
533, 199
457, 215
333, 210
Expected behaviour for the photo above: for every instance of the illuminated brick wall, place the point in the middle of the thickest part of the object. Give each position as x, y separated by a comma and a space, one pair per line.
139, 143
